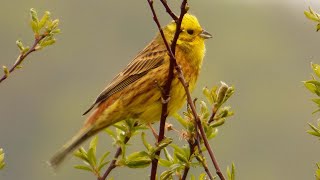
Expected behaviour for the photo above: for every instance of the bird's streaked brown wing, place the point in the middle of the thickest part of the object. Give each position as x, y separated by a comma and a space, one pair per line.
149, 58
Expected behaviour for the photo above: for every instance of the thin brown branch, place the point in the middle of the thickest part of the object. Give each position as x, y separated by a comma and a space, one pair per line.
204, 165
114, 161
171, 53
22, 56
198, 121
169, 11
164, 113
214, 112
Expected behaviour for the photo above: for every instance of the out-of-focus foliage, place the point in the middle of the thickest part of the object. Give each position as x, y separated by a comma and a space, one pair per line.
231, 172
2, 164
313, 16
318, 172
313, 86
182, 158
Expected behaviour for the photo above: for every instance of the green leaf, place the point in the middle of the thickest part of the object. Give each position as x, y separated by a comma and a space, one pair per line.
104, 156
165, 163
110, 133
182, 157
231, 173
192, 177
314, 82
92, 157
208, 95
6, 71
54, 24
167, 175
202, 176
139, 159
180, 153
164, 143
222, 91
82, 154
316, 69
20, 45
311, 87
34, 15
56, 31
82, 167
217, 123
318, 172
204, 112
2, 164
213, 133
317, 101
102, 165
93, 144
48, 42
120, 127
34, 21
312, 15
315, 131
177, 149
44, 19
182, 121
167, 155
144, 141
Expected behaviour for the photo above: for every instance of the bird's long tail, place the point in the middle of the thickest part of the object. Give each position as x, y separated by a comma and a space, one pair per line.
70, 146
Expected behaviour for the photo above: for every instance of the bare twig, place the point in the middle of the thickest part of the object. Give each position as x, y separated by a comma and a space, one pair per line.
169, 11
22, 56
171, 52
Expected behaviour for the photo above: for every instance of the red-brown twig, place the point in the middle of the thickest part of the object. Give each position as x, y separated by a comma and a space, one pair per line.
173, 64
169, 11
22, 56
166, 94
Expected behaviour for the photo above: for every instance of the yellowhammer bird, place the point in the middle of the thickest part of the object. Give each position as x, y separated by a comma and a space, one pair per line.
135, 92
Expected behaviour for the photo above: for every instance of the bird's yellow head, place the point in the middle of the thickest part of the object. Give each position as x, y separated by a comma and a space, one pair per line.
192, 33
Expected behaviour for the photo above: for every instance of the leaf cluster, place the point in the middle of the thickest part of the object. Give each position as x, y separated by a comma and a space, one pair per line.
313, 86
44, 30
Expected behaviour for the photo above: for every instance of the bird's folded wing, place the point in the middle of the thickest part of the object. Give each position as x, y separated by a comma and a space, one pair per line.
149, 58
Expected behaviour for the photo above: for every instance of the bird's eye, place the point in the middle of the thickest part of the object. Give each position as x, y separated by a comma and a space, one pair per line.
190, 31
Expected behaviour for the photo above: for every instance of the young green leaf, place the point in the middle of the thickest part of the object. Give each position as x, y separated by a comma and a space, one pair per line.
316, 69
83, 167
139, 159
231, 173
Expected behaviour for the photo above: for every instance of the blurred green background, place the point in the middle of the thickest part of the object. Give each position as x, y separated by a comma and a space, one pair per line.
262, 47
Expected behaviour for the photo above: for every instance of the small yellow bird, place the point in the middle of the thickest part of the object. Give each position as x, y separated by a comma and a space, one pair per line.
135, 92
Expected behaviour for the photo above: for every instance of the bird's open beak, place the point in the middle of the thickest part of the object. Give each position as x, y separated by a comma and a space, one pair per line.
205, 34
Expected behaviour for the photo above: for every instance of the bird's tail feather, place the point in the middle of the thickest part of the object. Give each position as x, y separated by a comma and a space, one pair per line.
70, 146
